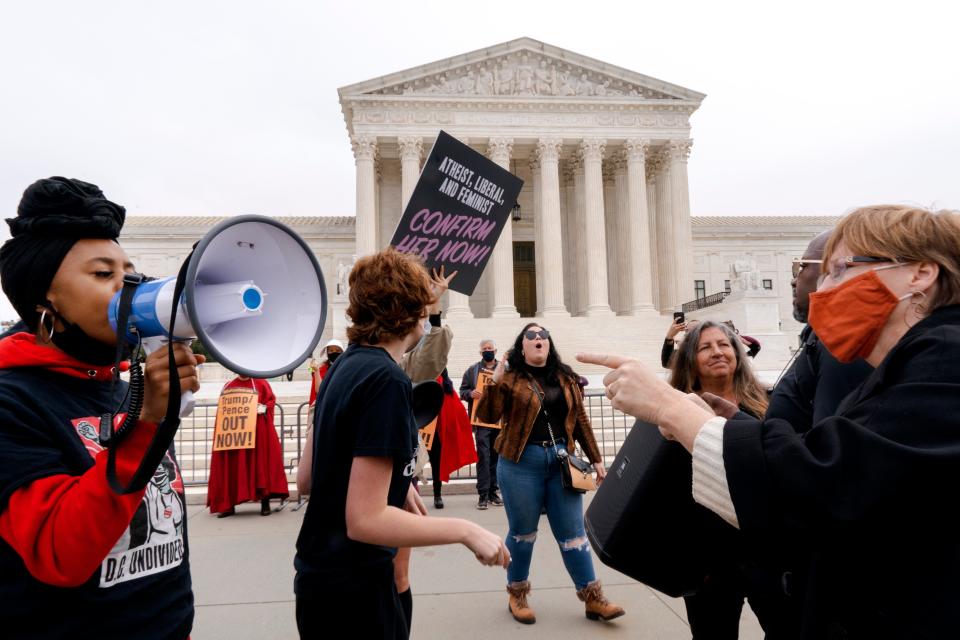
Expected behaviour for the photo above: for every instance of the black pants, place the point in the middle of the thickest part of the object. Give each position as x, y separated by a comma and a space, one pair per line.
714, 612
487, 458
367, 607
434, 453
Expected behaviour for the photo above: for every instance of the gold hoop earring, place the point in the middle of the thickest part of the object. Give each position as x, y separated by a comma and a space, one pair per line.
49, 332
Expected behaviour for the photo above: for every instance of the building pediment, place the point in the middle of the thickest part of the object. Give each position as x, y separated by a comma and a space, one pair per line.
523, 68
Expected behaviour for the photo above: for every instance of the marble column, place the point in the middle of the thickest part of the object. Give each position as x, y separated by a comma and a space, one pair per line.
547, 228
411, 150
638, 232
534, 166
679, 151
621, 241
569, 231
665, 246
654, 263
615, 250
578, 255
598, 303
364, 153
499, 150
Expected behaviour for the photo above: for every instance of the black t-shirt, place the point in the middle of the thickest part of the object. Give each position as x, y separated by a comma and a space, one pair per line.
364, 408
49, 425
554, 402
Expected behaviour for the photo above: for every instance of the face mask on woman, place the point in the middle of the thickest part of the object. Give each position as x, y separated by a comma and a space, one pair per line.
849, 318
332, 356
75, 342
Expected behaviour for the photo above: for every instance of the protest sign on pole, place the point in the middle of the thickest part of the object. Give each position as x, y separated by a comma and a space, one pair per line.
484, 380
457, 211
236, 425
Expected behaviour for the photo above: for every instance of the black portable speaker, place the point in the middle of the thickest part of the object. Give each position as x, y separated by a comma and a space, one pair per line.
644, 523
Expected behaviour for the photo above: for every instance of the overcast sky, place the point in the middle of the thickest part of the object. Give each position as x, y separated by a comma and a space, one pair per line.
222, 108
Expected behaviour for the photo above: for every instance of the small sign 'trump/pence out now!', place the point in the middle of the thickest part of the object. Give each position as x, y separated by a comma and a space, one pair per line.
236, 426
457, 211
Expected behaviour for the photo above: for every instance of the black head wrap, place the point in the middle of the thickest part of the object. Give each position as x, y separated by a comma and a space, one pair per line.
53, 214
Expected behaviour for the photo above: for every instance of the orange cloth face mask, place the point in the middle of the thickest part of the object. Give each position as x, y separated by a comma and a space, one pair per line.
848, 318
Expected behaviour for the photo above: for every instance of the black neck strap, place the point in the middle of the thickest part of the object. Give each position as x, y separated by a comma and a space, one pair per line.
167, 428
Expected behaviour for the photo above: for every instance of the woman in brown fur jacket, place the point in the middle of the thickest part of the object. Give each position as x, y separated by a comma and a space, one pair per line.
542, 412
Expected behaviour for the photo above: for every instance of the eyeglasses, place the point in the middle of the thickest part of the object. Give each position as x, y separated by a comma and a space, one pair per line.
533, 335
799, 264
838, 267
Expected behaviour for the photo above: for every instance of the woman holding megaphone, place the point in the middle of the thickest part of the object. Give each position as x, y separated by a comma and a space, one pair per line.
866, 496
73, 551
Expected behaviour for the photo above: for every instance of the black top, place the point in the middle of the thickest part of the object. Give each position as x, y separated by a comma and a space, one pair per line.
815, 384
48, 426
555, 404
871, 492
364, 408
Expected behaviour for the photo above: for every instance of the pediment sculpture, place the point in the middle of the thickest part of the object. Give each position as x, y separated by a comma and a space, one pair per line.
522, 74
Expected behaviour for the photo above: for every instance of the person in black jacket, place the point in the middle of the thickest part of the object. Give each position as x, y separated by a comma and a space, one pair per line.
815, 382
486, 455
811, 389
871, 490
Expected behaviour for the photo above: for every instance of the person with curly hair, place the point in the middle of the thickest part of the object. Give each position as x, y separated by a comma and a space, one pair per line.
363, 502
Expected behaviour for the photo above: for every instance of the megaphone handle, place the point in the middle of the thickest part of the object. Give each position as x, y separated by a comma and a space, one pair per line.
186, 404
186, 398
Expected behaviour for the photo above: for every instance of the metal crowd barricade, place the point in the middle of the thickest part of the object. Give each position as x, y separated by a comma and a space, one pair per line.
194, 440
610, 428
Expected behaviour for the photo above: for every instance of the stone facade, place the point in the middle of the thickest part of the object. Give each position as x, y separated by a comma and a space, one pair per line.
562, 122
158, 244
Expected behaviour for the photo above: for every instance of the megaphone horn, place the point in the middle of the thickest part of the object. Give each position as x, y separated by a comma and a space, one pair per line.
254, 296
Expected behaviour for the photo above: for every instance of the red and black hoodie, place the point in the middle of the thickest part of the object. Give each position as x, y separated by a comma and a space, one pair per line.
77, 560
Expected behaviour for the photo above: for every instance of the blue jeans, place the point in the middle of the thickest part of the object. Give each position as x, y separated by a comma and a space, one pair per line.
526, 487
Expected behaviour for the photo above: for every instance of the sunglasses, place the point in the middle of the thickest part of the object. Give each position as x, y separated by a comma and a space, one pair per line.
838, 267
533, 335
800, 264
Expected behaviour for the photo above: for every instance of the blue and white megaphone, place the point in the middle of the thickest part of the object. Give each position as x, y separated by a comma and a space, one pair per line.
254, 296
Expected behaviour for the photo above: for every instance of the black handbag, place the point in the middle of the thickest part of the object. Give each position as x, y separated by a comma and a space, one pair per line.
645, 506
576, 474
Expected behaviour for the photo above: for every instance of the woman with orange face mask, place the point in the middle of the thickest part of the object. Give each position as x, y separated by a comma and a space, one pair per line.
870, 491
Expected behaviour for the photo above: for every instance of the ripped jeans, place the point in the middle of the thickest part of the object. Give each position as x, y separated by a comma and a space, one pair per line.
527, 486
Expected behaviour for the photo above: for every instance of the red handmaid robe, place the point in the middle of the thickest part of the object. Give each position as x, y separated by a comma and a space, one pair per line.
456, 436
245, 475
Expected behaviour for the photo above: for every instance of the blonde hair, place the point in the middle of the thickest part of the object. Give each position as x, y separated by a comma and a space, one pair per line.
908, 234
685, 376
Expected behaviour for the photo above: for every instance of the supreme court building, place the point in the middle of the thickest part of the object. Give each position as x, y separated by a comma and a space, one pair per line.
605, 212
603, 243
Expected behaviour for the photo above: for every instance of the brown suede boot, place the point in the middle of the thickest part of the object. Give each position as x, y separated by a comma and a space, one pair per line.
598, 607
518, 602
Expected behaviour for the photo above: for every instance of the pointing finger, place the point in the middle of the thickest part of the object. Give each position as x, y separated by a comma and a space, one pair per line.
603, 359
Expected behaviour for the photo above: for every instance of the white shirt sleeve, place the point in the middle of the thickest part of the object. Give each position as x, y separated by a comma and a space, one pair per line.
710, 486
